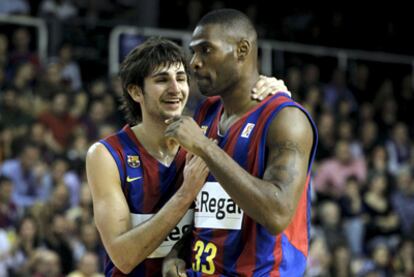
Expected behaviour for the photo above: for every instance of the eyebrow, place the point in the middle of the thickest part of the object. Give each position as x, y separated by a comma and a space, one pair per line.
199, 43
165, 74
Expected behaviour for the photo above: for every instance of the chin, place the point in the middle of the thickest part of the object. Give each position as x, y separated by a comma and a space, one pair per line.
207, 92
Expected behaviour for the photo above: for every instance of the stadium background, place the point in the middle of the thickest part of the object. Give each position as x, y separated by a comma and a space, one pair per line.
352, 68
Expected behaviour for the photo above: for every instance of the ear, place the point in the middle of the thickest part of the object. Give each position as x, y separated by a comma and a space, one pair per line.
135, 92
243, 49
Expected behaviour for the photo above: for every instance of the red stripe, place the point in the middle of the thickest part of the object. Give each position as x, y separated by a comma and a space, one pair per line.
246, 262
277, 254
153, 267
219, 237
117, 273
212, 133
117, 146
296, 232
151, 182
205, 107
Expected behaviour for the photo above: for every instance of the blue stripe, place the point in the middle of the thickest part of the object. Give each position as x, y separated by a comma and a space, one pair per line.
265, 244
293, 261
117, 159
166, 177
233, 242
262, 145
136, 191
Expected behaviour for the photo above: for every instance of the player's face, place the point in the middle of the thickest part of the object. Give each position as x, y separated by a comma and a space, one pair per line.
165, 91
214, 60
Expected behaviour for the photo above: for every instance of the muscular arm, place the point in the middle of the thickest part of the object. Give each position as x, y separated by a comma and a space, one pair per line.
270, 201
126, 245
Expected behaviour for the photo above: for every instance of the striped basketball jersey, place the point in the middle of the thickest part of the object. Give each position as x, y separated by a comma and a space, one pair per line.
227, 242
147, 185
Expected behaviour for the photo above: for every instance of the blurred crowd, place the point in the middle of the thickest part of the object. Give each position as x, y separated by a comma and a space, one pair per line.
51, 111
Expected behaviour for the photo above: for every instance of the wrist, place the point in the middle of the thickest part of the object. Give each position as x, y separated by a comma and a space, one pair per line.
204, 148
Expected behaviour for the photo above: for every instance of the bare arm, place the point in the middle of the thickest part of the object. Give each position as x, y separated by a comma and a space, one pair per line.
270, 201
128, 246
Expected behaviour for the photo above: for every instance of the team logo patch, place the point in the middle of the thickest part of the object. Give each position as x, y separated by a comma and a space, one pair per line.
133, 161
204, 128
247, 130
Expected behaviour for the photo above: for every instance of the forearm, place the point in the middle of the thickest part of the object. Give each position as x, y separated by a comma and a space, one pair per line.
130, 248
261, 200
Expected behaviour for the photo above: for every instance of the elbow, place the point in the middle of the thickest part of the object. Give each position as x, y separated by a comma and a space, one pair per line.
121, 261
276, 224
122, 265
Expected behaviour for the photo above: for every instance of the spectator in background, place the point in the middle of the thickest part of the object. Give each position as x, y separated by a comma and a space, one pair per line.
403, 260
398, 148
8, 7
45, 263
377, 162
352, 211
59, 120
331, 176
337, 90
27, 173
57, 239
59, 9
21, 52
44, 213
69, 69
381, 256
341, 261
9, 212
50, 83
62, 173
330, 226
89, 241
4, 57
23, 83
88, 266
368, 136
402, 200
327, 135
27, 241
360, 83
96, 117
312, 100
76, 152
383, 223
345, 131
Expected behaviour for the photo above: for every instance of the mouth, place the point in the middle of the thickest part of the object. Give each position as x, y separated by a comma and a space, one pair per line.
172, 103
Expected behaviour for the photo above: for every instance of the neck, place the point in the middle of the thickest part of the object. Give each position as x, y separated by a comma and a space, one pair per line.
151, 135
238, 100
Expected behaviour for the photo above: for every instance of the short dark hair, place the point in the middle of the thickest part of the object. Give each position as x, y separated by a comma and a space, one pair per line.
231, 19
140, 62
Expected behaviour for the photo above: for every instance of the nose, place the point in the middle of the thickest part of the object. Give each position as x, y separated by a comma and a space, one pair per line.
174, 86
195, 62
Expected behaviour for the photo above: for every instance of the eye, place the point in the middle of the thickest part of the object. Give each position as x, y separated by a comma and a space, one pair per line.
206, 49
161, 80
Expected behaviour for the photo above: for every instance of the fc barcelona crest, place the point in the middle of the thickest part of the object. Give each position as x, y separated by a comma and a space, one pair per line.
204, 128
133, 161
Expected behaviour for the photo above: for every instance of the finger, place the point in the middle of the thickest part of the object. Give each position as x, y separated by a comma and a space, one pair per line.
180, 266
172, 119
188, 157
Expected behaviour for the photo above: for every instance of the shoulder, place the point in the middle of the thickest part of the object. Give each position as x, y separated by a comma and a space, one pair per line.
291, 122
97, 152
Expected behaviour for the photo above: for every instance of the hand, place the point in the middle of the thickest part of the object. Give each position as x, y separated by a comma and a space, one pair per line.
173, 267
195, 173
185, 131
266, 86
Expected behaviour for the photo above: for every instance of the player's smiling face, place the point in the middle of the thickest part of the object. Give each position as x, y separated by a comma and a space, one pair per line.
165, 91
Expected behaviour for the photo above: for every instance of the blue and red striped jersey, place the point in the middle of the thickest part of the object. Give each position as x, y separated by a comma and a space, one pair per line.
227, 242
147, 185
